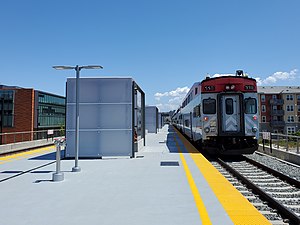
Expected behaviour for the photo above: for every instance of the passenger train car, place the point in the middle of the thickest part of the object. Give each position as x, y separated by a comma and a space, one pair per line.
220, 114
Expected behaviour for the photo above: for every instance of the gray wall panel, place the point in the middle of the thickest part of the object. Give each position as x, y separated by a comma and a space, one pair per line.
105, 109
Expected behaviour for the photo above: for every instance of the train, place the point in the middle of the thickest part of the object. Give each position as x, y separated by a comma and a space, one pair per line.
220, 114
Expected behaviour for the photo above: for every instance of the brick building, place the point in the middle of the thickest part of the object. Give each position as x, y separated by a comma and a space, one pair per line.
279, 109
26, 109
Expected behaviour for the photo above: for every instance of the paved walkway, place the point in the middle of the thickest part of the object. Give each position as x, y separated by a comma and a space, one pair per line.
109, 191
158, 187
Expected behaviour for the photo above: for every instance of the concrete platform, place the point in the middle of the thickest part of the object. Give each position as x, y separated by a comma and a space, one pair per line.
159, 186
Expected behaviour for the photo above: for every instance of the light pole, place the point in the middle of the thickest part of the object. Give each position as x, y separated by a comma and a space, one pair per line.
77, 68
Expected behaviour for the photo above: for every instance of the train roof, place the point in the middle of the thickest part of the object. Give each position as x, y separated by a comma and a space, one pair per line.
227, 77
191, 94
196, 84
228, 83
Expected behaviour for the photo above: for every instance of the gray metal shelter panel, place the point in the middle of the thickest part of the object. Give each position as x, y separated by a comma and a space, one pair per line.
160, 123
100, 90
101, 116
151, 119
101, 143
115, 142
106, 113
89, 144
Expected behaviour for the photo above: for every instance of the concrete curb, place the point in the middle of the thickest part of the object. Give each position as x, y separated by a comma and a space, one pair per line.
8, 148
284, 155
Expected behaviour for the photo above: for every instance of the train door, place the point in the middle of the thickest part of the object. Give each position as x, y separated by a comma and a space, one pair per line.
230, 113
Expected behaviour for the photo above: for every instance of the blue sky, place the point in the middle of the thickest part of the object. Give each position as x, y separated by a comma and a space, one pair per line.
165, 45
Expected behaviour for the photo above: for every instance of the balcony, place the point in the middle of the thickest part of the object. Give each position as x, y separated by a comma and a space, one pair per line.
276, 101
277, 112
277, 123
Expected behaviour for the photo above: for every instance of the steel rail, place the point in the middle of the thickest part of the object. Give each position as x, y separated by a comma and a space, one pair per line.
284, 211
276, 173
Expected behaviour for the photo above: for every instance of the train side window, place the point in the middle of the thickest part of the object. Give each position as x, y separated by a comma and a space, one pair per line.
209, 106
196, 111
229, 106
250, 106
187, 123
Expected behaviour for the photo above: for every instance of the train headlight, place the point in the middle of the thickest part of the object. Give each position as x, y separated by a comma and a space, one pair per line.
230, 87
254, 129
206, 129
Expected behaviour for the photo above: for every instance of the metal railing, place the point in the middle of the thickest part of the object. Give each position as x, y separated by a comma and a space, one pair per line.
280, 141
14, 137
276, 101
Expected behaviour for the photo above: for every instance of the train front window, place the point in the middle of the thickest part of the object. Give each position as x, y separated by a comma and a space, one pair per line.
229, 106
209, 106
250, 106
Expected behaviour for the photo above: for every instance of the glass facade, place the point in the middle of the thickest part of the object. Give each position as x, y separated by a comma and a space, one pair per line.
7, 108
51, 111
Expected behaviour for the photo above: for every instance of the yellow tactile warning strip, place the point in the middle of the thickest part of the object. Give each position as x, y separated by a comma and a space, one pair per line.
21, 155
197, 197
238, 208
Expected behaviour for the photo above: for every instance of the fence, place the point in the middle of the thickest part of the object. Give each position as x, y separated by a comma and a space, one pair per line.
280, 141
14, 137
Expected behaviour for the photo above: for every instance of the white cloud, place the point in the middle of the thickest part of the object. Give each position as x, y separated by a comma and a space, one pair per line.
175, 100
277, 77
178, 92
170, 100
258, 80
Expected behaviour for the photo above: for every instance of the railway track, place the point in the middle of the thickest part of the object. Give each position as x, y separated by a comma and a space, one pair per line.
271, 192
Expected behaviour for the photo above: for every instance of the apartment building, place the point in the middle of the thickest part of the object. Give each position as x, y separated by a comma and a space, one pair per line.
279, 108
26, 109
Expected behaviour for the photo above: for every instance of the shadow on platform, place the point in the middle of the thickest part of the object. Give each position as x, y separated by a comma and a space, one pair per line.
49, 156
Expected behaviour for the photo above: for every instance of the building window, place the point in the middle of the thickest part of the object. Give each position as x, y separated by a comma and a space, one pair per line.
290, 130
290, 119
290, 108
7, 107
263, 119
298, 97
263, 98
298, 108
263, 108
196, 91
289, 97
299, 119
51, 111
274, 96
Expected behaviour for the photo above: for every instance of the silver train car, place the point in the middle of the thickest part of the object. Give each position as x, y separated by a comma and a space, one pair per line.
221, 115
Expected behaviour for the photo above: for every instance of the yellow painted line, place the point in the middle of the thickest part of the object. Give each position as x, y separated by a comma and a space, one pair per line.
238, 208
197, 197
21, 155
